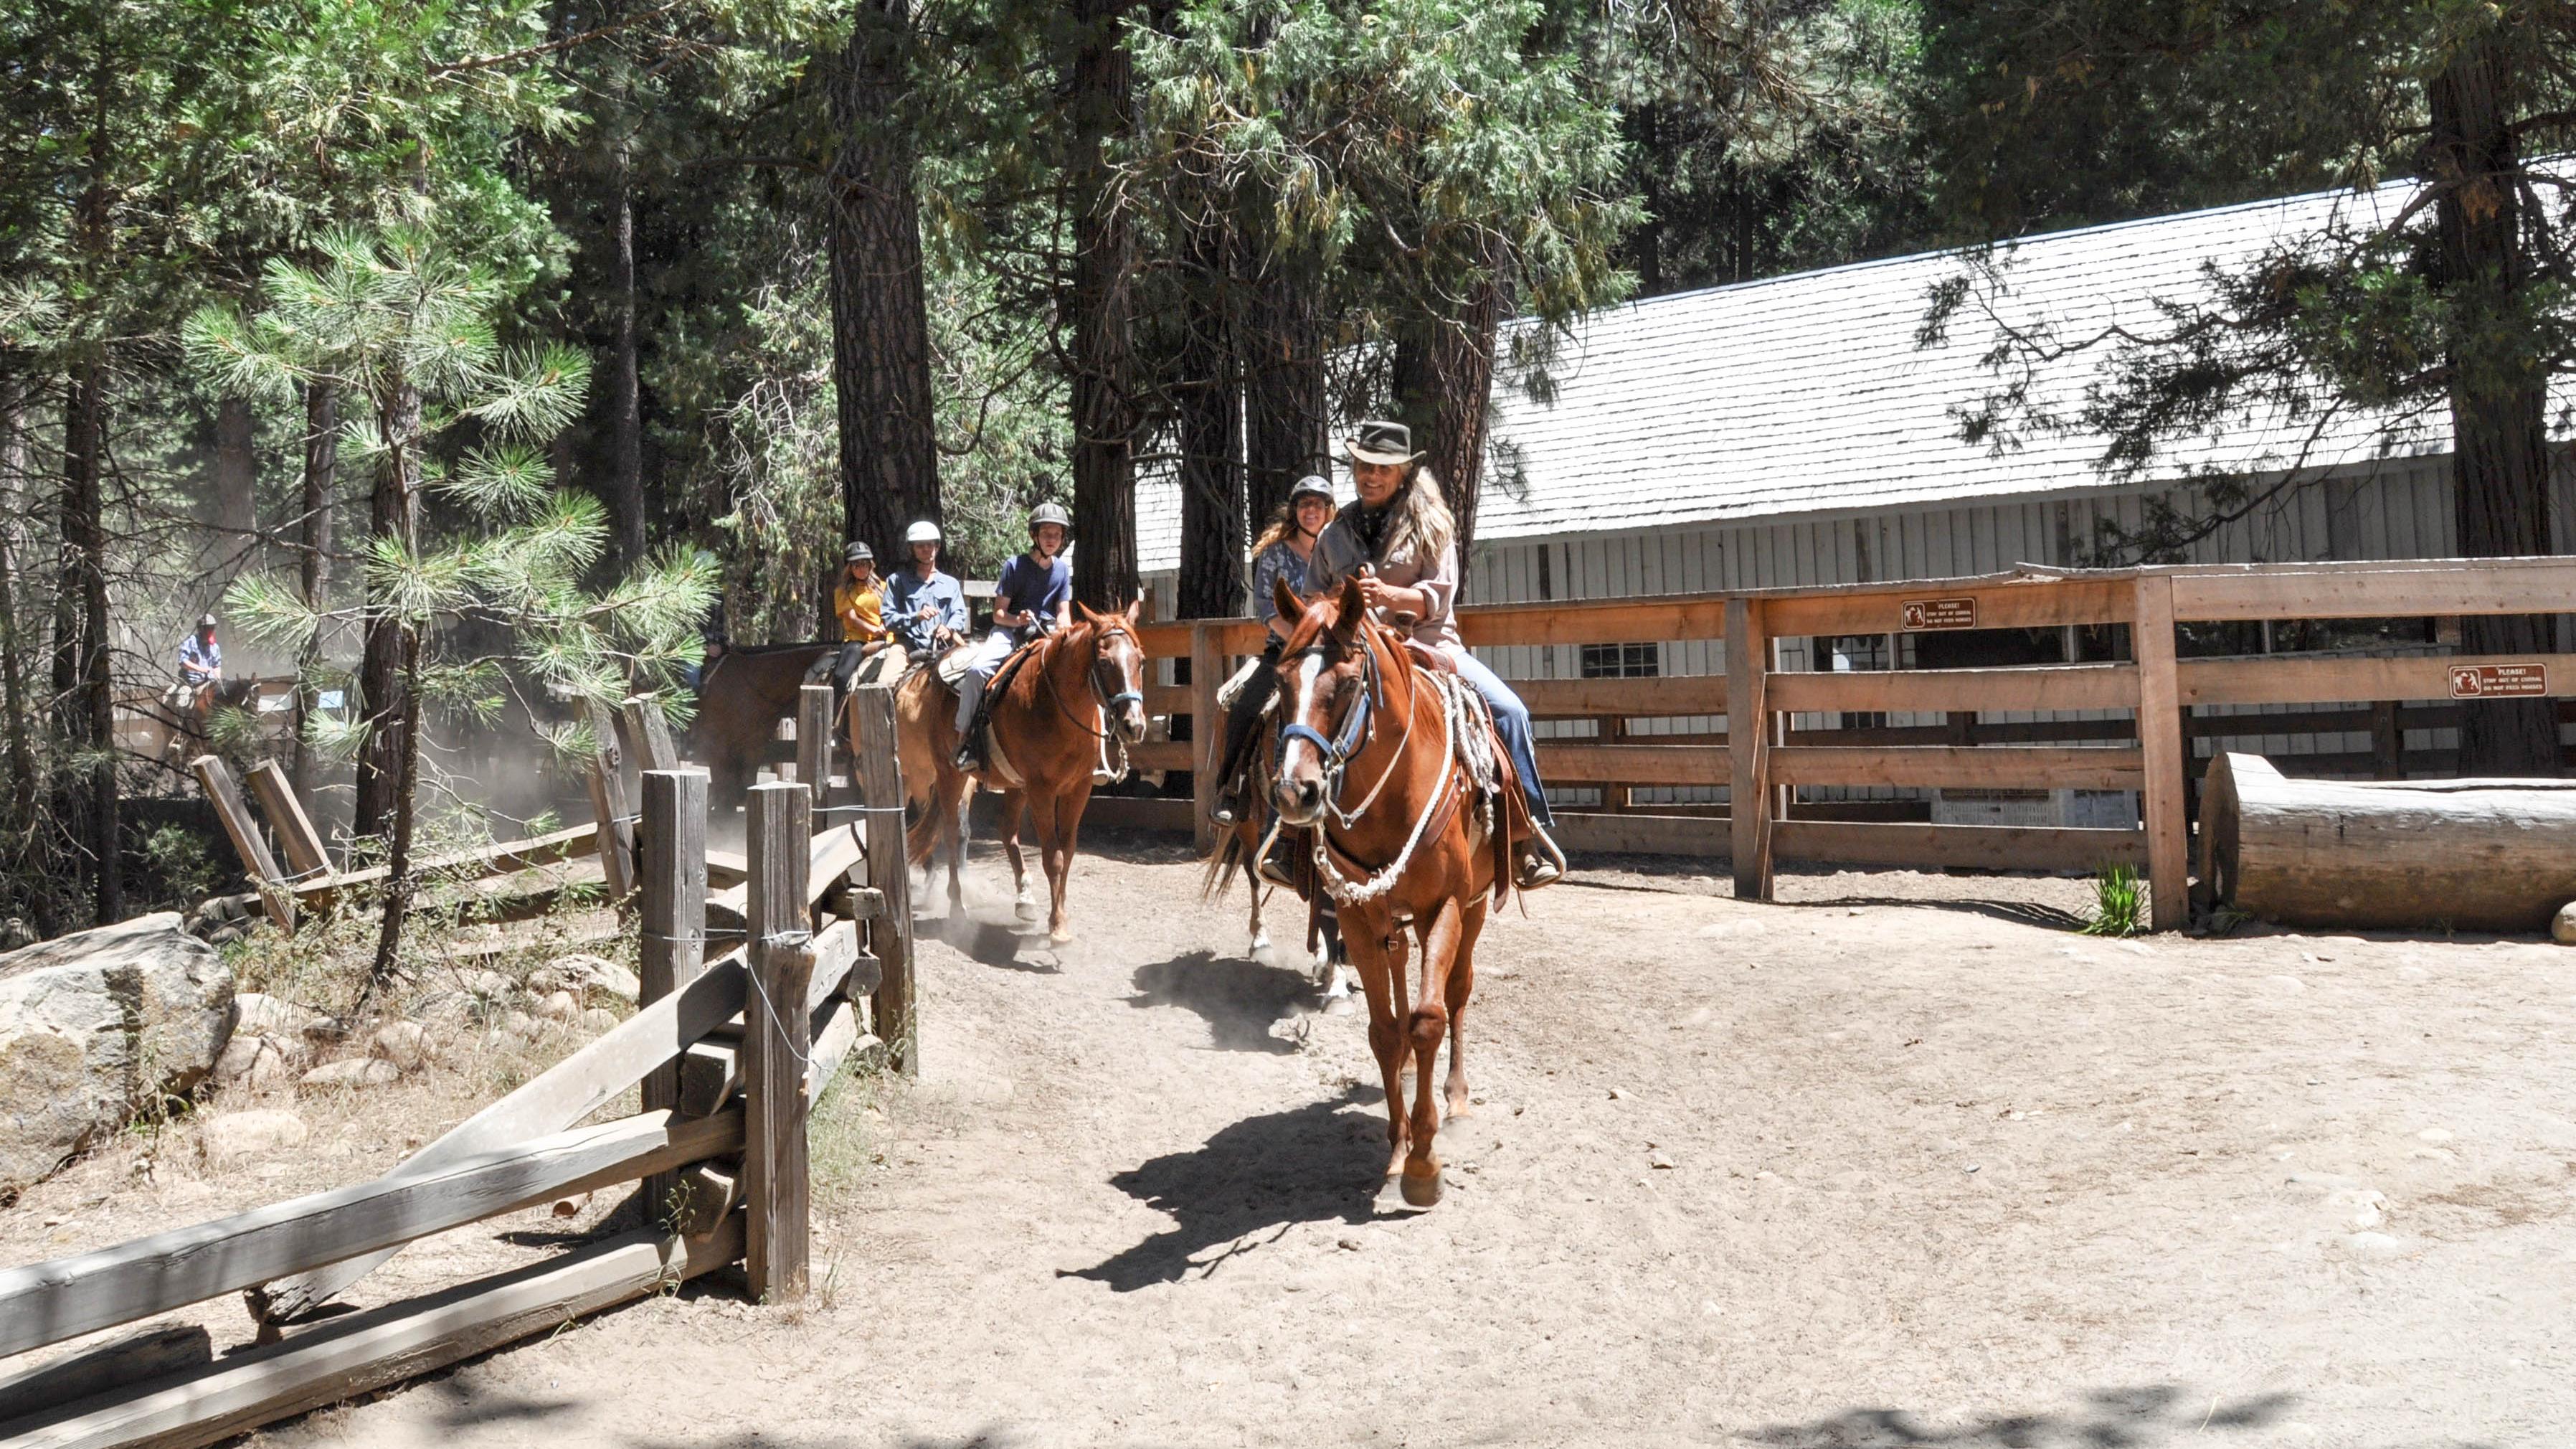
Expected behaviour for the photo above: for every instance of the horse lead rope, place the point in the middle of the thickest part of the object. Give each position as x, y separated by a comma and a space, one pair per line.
1340, 886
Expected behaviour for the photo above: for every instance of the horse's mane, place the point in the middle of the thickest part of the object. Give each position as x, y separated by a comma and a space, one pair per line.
1325, 612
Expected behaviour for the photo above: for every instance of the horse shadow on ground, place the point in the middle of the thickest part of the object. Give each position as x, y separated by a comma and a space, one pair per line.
2108, 1419
991, 944
2027, 913
1252, 1181
1238, 999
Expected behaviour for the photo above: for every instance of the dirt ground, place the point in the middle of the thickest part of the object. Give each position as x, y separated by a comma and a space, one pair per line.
1942, 1172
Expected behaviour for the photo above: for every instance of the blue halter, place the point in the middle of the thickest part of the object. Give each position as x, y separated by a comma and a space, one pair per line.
1347, 740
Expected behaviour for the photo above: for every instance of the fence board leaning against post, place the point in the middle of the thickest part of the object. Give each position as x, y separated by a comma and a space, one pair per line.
2160, 743
608, 804
1207, 732
674, 899
880, 773
647, 734
1748, 737
295, 833
814, 741
776, 1037
274, 895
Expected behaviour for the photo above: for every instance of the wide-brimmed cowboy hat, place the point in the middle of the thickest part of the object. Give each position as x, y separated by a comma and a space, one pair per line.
1382, 443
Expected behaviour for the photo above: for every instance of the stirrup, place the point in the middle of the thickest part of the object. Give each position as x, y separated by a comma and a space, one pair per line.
1279, 872
1541, 865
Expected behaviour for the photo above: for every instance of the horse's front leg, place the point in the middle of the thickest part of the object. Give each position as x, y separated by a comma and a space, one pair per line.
1462, 984
1023, 905
1058, 835
1379, 962
1424, 1027
952, 826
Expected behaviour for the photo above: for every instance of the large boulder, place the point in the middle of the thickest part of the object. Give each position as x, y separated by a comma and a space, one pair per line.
98, 1027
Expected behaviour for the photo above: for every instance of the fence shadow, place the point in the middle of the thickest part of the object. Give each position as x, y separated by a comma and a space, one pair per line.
1254, 1178
2128, 1418
1238, 999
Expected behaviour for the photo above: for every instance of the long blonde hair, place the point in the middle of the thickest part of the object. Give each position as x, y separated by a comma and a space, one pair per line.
1282, 524
1423, 526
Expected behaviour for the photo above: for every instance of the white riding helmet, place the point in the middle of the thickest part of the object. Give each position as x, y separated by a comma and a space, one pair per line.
923, 532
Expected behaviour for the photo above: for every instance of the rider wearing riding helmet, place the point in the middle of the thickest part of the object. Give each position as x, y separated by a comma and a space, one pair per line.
925, 607
858, 602
1032, 598
1400, 541
1281, 554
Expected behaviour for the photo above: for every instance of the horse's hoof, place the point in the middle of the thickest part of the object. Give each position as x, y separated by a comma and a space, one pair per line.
1025, 909
1260, 943
1422, 1191
1060, 936
1339, 1005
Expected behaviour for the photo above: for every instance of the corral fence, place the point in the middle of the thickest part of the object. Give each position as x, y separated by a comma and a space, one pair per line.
1825, 735
729, 1053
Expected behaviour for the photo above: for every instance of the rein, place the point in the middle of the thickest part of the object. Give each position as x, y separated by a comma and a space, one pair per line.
1352, 736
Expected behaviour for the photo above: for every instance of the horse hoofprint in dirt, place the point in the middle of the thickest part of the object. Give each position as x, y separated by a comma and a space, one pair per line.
1057, 712
1395, 769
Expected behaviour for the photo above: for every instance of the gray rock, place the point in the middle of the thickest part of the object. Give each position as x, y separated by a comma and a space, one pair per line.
587, 975
598, 1019
230, 1139
348, 1075
2562, 927
263, 1015
559, 1007
406, 1044
99, 1026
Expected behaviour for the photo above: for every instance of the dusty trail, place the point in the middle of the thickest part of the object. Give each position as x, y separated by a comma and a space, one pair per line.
1940, 1177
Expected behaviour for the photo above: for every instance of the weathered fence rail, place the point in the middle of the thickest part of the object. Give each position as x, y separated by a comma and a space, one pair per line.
730, 1053
2178, 698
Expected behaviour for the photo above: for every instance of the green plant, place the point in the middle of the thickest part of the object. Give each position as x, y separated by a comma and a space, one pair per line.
2119, 903
180, 861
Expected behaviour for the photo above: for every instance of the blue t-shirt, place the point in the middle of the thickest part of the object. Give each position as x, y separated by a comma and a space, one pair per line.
1029, 587
197, 658
907, 591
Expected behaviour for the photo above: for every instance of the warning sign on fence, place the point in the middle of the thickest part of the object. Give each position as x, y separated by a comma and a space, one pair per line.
1940, 614
2498, 681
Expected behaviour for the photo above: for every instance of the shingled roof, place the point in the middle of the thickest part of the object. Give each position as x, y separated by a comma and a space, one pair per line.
1808, 394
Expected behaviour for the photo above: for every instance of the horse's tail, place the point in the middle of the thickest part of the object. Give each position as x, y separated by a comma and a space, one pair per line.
1221, 865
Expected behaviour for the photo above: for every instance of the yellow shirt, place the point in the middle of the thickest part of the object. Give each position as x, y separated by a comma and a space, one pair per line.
861, 609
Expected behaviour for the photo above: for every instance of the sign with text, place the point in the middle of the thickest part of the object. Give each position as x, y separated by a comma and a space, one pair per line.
2498, 681
1940, 614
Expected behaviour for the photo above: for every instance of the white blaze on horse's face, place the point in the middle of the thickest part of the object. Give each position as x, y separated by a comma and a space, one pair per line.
1129, 662
1298, 793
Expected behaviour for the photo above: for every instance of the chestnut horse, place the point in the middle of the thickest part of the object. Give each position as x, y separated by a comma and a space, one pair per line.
1394, 771
1053, 711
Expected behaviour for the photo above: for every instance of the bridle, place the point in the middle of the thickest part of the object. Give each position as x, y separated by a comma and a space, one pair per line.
1103, 630
1357, 728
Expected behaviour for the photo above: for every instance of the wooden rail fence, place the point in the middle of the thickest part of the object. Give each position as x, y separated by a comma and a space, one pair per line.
730, 1052
1763, 766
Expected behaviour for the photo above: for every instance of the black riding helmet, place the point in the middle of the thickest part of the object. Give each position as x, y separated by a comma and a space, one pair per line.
858, 553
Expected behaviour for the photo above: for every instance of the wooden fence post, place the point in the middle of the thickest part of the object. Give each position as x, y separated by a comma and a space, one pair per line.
274, 894
1748, 739
608, 805
647, 735
777, 1036
814, 741
674, 901
2162, 801
1207, 733
880, 773
295, 833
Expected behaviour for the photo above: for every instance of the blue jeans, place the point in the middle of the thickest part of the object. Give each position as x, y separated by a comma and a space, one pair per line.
1512, 722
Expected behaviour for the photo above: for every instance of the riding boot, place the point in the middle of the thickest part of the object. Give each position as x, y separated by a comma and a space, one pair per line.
1541, 862
1279, 863
970, 740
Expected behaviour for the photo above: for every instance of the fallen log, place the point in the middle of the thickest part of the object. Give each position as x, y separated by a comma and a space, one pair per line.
2478, 855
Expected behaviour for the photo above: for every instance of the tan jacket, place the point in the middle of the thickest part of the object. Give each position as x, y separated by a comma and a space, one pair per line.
1338, 553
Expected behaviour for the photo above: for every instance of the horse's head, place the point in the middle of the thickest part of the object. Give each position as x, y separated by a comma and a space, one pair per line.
1327, 676
1118, 669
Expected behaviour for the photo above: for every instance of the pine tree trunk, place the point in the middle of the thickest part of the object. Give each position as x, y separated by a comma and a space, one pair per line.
398, 881
1285, 415
313, 543
1211, 440
85, 545
380, 677
880, 321
1444, 376
2499, 392
25, 855
625, 380
1097, 81
235, 544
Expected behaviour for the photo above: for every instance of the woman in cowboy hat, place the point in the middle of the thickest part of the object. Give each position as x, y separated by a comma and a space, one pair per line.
1034, 596
1282, 552
1400, 541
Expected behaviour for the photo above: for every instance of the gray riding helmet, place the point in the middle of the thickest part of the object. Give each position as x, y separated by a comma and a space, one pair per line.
1050, 513
858, 552
1310, 484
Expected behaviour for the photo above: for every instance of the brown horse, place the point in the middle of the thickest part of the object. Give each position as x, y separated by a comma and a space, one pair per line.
1052, 713
1395, 771
742, 696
